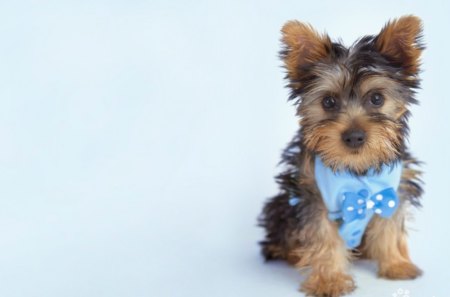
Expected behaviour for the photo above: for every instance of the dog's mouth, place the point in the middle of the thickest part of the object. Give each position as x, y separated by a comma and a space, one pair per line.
359, 154
355, 151
360, 159
355, 148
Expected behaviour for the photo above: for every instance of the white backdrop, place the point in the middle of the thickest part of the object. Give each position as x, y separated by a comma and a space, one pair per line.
139, 140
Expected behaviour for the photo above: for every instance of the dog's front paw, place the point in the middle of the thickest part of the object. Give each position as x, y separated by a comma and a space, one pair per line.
401, 270
336, 285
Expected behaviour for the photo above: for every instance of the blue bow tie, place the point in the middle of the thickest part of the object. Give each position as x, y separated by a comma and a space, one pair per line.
356, 206
356, 199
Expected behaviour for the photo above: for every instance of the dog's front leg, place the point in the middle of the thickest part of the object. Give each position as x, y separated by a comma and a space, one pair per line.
385, 241
325, 252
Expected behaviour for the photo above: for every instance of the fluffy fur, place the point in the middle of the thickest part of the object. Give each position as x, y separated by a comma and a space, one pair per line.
385, 65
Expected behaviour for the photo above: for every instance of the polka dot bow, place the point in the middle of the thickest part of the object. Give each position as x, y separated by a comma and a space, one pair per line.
357, 205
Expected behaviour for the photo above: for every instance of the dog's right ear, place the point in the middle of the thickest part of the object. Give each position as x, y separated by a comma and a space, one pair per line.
302, 46
400, 42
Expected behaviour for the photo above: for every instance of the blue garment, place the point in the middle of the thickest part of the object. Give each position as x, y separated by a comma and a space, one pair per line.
355, 199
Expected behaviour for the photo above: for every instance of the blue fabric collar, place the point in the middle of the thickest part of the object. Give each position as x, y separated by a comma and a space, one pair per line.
355, 199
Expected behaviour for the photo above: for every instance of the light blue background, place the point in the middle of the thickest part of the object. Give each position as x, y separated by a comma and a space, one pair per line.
139, 141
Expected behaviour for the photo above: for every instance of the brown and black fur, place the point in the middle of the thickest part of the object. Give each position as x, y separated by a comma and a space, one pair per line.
386, 64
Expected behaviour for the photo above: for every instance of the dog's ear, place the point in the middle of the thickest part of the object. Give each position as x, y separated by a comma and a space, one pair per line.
400, 41
302, 47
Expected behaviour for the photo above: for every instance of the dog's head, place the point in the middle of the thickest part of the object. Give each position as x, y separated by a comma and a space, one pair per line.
353, 102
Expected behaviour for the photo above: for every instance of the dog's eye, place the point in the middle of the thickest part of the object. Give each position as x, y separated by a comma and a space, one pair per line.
376, 99
329, 103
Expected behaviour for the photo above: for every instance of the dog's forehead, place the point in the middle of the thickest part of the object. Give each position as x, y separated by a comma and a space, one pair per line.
353, 73
333, 77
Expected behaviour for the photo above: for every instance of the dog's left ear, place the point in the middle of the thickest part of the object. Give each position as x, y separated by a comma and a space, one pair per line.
400, 41
303, 46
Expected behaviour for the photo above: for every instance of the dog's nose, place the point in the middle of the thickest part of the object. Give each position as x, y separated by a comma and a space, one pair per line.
354, 138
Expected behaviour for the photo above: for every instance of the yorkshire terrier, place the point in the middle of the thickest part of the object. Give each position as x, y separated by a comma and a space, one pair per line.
349, 178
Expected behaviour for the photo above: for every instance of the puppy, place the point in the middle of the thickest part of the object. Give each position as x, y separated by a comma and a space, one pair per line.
349, 178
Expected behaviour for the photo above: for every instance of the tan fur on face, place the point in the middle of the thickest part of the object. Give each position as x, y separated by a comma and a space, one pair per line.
394, 105
381, 145
323, 131
400, 41
331, 81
